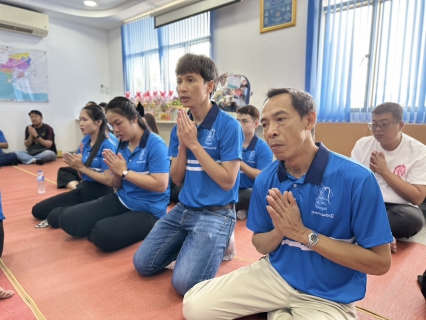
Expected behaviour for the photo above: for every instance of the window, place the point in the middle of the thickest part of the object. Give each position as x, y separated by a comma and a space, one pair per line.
366, 52
150, 55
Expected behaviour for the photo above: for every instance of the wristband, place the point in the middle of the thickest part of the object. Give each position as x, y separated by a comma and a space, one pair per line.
38, 136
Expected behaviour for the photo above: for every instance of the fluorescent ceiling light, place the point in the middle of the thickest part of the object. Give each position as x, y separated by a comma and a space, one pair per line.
90, 3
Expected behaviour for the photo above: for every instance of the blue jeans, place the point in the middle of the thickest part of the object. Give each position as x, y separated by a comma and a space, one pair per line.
46, 156
197, 240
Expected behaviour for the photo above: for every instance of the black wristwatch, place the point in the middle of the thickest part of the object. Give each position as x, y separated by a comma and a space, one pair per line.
38, 136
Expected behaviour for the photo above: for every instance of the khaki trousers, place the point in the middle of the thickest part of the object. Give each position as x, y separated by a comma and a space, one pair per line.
255, 289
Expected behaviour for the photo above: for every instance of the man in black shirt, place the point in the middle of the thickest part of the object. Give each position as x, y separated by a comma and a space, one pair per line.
39, 140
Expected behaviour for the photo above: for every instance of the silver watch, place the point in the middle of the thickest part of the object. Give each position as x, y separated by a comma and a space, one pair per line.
313, 239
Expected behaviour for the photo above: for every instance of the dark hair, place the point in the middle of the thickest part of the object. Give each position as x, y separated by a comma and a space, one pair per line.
252, 111
35, 112
127, 109
102, 105
96, 113
198, 63
90, 103
302, 101
392, 107
140, 109
151, 122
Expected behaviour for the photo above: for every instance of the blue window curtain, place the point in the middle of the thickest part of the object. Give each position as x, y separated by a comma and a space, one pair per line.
150, 55
361, 53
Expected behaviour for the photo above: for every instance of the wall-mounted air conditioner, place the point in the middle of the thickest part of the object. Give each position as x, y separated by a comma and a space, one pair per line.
23, 21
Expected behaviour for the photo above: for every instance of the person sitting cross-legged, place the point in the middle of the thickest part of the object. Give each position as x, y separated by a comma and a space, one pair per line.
399, 164
6, 159
39, 141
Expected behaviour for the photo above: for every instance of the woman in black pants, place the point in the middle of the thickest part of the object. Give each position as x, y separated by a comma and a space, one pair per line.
96, 177
140, 175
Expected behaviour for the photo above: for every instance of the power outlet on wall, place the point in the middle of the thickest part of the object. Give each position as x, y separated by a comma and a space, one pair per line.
102, 88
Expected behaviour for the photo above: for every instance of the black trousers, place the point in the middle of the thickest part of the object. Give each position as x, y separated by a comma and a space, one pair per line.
52, 208
405, 220
243, 199
107, 222
8, 159
1, 237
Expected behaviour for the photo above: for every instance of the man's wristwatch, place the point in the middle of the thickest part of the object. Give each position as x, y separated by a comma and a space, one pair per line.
125, 173
313, 239
38, 136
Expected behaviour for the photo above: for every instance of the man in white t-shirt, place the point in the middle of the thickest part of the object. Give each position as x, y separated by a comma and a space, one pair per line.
399, 164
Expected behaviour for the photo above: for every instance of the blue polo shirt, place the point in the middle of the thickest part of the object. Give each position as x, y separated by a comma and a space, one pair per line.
222, 138
257, 155
2, 217
147, 158
97, 164
338, 198
2, 139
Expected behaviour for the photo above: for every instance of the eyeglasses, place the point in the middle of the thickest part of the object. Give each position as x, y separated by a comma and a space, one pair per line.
383, 126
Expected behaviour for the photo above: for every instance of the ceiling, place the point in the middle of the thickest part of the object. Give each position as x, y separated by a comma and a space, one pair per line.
108, 14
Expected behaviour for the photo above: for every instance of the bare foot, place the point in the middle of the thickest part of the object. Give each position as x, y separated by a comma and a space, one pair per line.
72, 185
4, 294
393, 245
230, 251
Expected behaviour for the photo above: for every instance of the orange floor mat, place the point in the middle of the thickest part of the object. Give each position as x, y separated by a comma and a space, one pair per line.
70, 278
396, 295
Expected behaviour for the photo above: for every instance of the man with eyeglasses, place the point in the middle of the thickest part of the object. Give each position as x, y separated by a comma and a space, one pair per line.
399, 164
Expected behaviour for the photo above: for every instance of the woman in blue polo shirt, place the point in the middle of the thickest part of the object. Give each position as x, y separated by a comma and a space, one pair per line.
96, 177
140, 171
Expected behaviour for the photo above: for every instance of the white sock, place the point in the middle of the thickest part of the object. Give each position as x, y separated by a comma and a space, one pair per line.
241, 214
230, 251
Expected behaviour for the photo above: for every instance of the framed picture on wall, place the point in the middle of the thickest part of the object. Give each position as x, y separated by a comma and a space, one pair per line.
277, 14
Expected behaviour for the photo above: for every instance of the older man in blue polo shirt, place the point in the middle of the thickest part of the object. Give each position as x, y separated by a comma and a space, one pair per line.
206, 152
317, 216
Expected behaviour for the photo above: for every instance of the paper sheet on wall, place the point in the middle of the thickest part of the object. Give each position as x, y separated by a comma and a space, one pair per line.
23, 74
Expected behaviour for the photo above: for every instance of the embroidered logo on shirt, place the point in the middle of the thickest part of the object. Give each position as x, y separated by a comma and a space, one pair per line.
251, 156
400, 170
142, 156
210, 138
323, 197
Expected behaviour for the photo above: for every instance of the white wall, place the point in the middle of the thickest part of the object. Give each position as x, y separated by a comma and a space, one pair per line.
116, 75
78, 64
268, 60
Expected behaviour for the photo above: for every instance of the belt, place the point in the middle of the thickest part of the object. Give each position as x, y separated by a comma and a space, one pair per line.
210, 208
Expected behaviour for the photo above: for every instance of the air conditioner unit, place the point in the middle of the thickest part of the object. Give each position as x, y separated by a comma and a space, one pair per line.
23, 21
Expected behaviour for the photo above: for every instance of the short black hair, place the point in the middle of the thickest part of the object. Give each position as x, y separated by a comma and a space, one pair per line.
392, 107
36, 112
252, 111
302, 101
198, 63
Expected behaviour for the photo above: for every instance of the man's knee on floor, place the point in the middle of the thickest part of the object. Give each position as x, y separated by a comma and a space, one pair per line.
142, 265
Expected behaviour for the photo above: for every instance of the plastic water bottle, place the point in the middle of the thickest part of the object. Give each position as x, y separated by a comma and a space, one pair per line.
40, 182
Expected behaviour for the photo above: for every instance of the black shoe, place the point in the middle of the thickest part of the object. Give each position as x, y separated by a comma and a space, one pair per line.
40, 162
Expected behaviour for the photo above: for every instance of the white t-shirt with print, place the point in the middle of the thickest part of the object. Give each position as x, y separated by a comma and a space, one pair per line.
407, 161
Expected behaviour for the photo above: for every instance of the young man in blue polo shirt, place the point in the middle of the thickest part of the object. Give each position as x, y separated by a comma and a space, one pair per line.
256, 157
317, 216
205, 147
